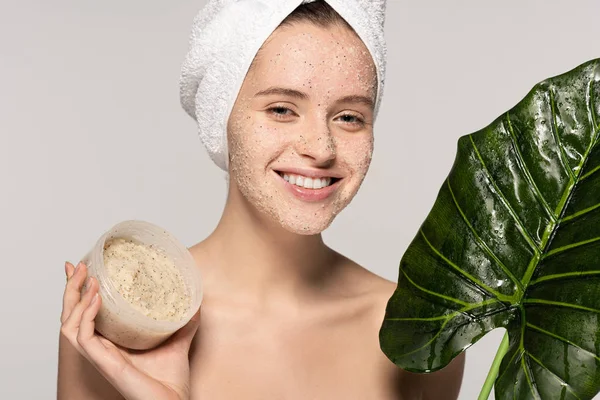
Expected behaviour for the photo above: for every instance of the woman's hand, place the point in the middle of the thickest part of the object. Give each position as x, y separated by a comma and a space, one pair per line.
161, 373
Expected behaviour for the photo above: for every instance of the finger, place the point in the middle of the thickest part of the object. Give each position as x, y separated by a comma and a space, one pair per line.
72, 293
71, 325
185, 335
87, 324
69, 270
86, 337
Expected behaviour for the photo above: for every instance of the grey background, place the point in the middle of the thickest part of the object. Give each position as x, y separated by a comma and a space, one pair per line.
91, 133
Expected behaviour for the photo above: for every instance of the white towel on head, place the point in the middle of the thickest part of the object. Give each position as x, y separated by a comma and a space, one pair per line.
227, 34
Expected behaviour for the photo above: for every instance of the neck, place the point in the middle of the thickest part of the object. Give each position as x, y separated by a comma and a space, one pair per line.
253, 258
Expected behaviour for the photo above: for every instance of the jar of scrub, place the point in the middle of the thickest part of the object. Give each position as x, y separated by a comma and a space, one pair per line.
149, 284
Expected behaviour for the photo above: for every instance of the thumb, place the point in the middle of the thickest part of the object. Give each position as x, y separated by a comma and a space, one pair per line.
185, 335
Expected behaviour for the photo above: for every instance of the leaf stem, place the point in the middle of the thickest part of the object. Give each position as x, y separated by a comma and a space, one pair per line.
493, 374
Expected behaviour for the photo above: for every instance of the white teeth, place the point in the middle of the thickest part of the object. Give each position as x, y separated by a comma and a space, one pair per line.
306, 182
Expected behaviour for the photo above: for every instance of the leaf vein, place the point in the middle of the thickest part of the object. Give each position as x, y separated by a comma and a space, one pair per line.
562, 339
564, 275
561, 151
439, 332
470, 307
526, 171
592, 113
517, 352
432, 293
592, 172
527, 371
470, 279
563, 383
512, 212
438, 318
580, 213
561, 304
562, 249
481, 243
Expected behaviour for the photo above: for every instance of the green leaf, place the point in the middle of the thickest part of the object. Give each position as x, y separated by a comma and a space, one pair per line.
513, 241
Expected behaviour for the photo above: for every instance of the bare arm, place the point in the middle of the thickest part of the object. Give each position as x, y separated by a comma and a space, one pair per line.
440, 385
445, 383
78, 379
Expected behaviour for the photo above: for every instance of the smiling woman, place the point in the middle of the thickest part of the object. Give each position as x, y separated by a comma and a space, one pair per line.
284, 315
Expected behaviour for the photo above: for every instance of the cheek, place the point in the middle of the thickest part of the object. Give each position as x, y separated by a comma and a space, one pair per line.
252, 144
357, 153
253, 149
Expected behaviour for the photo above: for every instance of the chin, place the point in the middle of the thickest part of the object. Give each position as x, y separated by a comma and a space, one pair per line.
307, 229
309, 223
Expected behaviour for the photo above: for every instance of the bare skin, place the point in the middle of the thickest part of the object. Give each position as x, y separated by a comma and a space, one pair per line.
325, 349
284, 316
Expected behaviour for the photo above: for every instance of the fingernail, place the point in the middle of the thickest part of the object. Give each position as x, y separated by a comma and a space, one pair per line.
78, 265
90, 282
94, 298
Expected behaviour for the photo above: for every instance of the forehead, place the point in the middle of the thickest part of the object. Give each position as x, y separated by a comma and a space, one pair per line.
302, 52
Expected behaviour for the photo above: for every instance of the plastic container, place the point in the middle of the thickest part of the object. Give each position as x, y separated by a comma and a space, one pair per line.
117, 319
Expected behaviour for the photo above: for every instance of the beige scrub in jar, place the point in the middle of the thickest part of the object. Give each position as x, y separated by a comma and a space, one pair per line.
149, 283
147, 278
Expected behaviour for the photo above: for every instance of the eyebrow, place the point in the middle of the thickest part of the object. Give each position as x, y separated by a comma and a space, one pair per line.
274, 90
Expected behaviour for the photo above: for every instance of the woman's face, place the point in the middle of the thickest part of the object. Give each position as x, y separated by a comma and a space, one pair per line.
305, 110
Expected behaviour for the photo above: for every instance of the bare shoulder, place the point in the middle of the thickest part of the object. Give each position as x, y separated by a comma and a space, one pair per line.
440, 385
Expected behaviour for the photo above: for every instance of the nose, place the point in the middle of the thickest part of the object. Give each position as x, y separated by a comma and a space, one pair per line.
316, 142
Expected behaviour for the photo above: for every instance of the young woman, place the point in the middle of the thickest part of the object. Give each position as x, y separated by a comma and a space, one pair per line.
284, 316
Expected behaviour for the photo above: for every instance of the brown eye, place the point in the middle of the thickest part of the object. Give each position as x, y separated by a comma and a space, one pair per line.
279, 111
352, 119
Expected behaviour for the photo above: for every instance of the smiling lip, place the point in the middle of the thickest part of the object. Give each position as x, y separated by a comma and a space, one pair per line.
310, 195
311, 173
